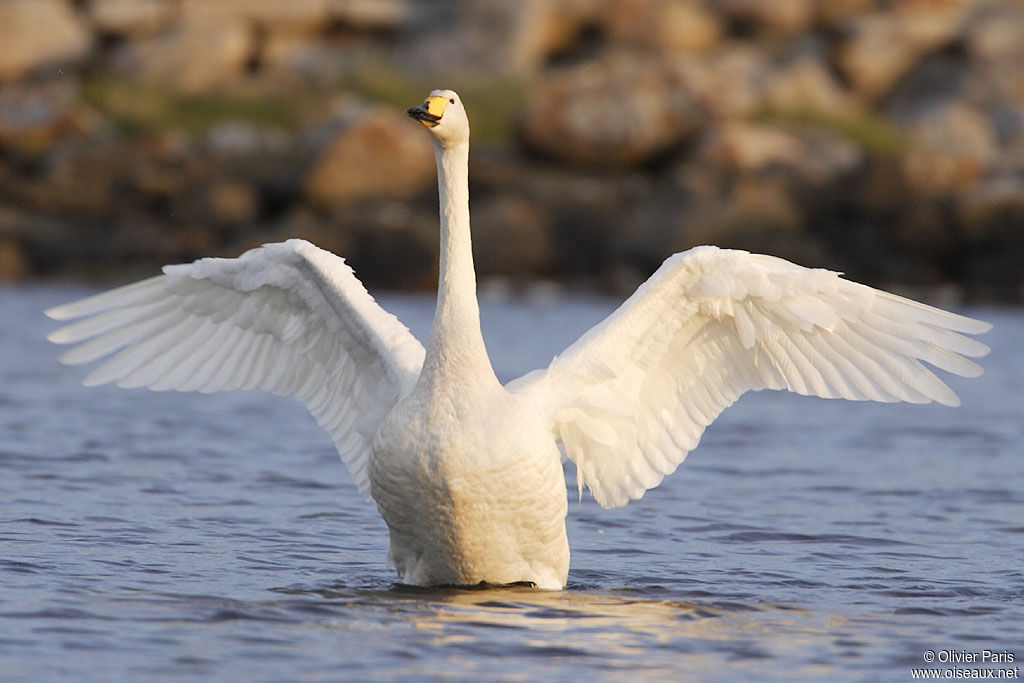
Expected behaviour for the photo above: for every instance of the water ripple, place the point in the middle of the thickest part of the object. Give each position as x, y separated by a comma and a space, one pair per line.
169, 536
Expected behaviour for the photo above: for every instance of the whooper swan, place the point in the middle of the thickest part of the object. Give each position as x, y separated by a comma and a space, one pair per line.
466, 472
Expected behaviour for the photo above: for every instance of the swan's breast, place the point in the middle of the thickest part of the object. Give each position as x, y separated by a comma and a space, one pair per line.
471, 496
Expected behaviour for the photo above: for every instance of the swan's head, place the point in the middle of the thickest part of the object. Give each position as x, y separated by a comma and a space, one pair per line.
444, 116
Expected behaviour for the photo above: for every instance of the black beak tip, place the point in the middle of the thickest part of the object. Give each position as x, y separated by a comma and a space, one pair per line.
421, 113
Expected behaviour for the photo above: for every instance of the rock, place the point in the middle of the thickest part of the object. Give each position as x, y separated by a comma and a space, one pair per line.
510, 237
296, 16
233, 138
581, 209
233, 202
312, 62
521, 38
621, 111
767, 16
806, 86
995, 44
371, 15
749, 147
37, 34
302, 16
729, 82
935, 80
992, 215
190, 59
993, 207
815, 157
131, 18
833, 13
379, 153
493, 37
951, 145
702, 205
14, 265
996, 33
33, 117
393, 244
880, 47
554, 31
661, 25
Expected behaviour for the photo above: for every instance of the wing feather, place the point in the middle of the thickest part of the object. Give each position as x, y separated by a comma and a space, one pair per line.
633, 395
289, 318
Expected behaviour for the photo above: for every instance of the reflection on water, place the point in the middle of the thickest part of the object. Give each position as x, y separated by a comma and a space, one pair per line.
217, 537
614, 630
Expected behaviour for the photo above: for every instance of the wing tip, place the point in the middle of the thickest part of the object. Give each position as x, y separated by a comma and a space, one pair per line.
59, 312
982, 326
968, 325
58, 336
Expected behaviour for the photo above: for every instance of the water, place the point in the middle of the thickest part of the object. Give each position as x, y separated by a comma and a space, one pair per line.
170, 536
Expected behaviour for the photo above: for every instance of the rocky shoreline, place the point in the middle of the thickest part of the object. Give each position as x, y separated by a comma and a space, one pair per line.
885, 139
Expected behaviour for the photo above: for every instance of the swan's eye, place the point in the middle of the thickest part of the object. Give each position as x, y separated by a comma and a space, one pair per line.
452, 100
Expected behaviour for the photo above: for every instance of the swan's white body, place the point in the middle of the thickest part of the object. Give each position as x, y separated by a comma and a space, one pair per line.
467, 473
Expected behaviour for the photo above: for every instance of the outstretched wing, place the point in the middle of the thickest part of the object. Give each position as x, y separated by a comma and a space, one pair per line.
632, 397
289, 318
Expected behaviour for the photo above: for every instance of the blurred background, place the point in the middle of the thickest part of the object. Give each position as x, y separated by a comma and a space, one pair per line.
884, 138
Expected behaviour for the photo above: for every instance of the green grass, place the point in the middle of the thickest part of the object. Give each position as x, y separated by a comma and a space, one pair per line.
869, 131
136, 107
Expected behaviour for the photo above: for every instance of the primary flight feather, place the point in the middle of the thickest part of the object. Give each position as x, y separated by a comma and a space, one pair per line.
467, 472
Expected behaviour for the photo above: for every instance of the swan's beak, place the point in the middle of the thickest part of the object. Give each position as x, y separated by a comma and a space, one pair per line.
430, 112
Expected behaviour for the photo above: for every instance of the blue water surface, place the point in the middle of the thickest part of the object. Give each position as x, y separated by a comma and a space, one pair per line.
165, 536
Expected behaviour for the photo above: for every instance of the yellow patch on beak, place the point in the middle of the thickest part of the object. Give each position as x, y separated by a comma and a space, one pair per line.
430, 112
436, 104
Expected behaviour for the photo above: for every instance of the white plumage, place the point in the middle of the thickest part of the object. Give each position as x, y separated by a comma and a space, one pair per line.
467, 473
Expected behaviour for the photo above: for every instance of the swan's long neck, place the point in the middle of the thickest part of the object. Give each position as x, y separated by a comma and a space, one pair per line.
456, 348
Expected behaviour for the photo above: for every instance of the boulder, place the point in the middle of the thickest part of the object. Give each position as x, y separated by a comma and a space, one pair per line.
880, 47
371, 15
191, 58
699, 204
580, 210
992, 215
951, 145
233, 202
729, 82
377, 153
14, 264
391, 244
994, 41
510, 237
767, 16
993, 207
493, 37
131, 18
34, 116
300, 16
815, 157
37, 34
996, 33
620, 111
804, 86
833, 13
661, 25
313, 62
